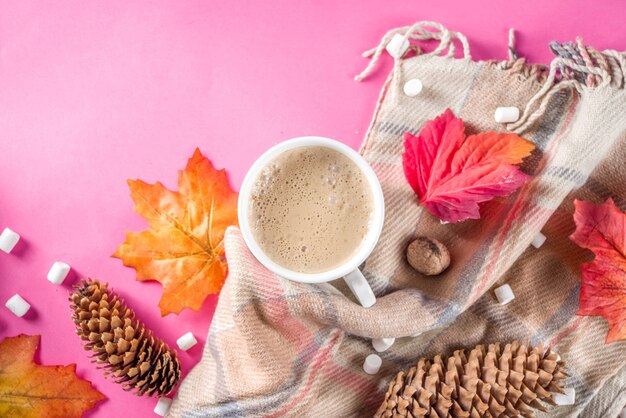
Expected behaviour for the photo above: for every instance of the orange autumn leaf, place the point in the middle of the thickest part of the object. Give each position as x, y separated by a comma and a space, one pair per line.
28, 390
183, 248
602, 229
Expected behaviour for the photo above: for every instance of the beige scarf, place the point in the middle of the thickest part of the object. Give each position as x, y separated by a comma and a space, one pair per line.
278, 348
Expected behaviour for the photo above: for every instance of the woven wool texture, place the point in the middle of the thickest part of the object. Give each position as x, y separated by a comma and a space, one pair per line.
279, 348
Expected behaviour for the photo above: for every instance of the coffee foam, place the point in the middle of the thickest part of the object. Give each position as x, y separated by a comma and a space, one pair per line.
310, 209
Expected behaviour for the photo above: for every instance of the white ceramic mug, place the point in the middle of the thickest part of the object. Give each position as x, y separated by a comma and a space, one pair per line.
349, 271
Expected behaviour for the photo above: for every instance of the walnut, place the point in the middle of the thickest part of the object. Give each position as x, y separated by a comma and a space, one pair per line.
428, 256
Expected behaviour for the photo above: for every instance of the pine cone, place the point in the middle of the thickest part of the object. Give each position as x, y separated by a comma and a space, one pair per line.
127, 349
487, 383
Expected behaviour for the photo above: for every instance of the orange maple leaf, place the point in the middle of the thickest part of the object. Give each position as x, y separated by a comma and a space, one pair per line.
183, 249
28, 390
602, 229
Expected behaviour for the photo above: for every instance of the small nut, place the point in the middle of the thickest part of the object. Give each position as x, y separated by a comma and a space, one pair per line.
428, 256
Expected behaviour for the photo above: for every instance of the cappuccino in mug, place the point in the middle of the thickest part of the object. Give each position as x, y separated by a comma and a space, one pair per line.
310, 209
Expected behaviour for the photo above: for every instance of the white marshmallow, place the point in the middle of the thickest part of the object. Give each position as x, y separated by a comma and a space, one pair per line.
372, 364
538, 240
17, 305
58, 272
163, 406
506, 114
567, 398
186, 341
413, 87
504, 294
382, 344
8, 240
397, 46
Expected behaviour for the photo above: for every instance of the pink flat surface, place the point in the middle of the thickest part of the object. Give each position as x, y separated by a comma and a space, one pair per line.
94, 93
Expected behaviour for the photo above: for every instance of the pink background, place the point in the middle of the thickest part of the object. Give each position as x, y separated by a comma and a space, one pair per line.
94, 93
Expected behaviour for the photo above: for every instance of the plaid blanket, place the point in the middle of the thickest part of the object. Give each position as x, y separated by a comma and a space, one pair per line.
279, 348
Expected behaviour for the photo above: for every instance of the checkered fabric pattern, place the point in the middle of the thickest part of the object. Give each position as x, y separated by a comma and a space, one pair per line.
279, 348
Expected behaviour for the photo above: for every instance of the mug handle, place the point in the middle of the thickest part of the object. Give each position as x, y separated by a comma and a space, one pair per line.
361, 288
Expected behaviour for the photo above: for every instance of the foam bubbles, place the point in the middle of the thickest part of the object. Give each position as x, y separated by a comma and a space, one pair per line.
331, 181
304, 224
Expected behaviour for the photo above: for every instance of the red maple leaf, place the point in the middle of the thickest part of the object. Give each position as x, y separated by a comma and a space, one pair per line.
602, 229
451, 173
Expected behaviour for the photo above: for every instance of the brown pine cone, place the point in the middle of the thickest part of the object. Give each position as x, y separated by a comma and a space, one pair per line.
121, 343
487, 383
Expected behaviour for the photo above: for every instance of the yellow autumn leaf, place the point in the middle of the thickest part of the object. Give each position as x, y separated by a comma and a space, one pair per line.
28, 390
